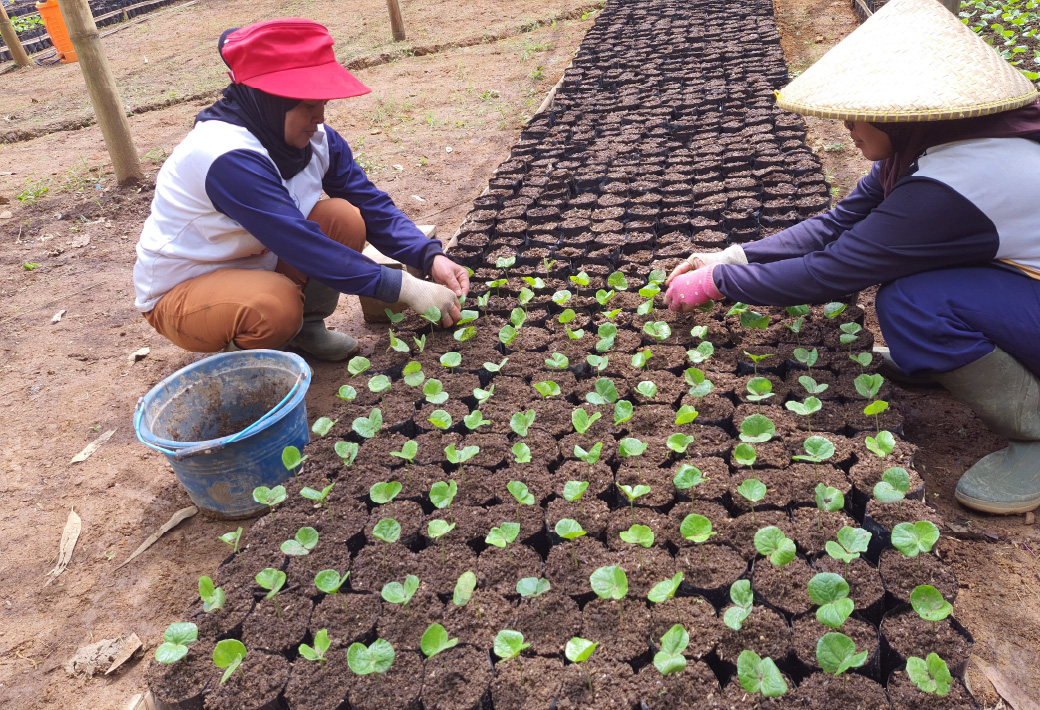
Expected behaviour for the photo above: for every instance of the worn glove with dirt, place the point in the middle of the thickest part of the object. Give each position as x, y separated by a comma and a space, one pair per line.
420, 295
730, 255
691, 290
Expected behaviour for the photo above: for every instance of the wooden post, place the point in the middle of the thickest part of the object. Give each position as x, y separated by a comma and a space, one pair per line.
101, 85
10, 36
396, 20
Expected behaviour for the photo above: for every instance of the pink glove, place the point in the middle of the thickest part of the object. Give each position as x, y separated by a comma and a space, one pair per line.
692, 289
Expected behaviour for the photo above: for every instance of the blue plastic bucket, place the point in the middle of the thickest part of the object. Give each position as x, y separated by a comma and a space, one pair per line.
223, 422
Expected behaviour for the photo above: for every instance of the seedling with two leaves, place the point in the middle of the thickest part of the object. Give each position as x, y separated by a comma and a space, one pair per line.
376, 658
753, 491
368, 427
347, 451
437, 529
591, 456
742, 597
522, 495
233, 538
670, 658
893, 487
760, 675
817, 450
436, 640
398, 593
639, 535
631, 447
459, 457
269, 496
914, 538
409, 450
508, 644
176, 639
611, 583
851, 543
828, 500
775, 546
578, 650
320, 498
302, 543
330, 581
573, 491
836, 653
632, 493
533, 588
830, 592
503, 536
291, 458
582, 420
665, 590
229, 654
687, 478
322, 643
570, 529
697, 529
272, 580
389, 531
931, 675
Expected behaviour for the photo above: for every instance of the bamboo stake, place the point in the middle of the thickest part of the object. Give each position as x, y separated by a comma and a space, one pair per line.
10, 36
101, 84
396, 20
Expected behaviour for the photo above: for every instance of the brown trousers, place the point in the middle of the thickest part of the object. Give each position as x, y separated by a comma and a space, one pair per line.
255, 309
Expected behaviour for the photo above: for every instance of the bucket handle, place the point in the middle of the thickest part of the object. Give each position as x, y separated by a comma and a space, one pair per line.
189, 451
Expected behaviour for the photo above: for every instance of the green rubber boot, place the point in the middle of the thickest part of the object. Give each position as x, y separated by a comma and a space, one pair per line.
319, 302
1006, 396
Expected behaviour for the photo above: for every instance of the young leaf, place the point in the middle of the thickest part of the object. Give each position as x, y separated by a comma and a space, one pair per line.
520, 492
357, 365
522, 421
532, 587
382, 492
696, 528
503, 535
831, 593
701, 353
759, 388
346, 392
377, 658
435, 639
329, 581
302, 544
434, 392
618, 281
578, 650
591, 456
757, 428
322, 643
679, 442
836, 653
630, 446
176, 639
868, 386
851, 542
609, 582
408, 451
397, 593
647, 388
573, 490
893, 486
437, 529
598, 363
744, 454
928, 602
452, 359
688, 476
291, 457
633, 492
464, 587
914, 538
772, 543
521, 452
638, 535
817, 449
582, 421
397, 345
508, 644
228, 654
752, 489
742, 597
881, 445
557, 361
685, 415
369, 426
569, 529
760, 675
388, 530
641, 358
829, 499
492, 367
670, 658
930, 674
623, 411
663, 591
605, 393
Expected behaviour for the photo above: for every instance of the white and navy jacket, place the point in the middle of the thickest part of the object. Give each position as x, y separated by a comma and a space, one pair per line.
964, 203
221, 203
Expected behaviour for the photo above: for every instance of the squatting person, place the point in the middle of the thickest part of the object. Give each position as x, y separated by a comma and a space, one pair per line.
239, 251
947, 221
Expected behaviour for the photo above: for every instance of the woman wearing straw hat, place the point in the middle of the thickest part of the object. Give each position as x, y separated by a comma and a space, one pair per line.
238, 251
947, 221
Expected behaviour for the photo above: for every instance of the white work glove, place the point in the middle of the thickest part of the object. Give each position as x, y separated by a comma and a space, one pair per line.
733, 254
420, 295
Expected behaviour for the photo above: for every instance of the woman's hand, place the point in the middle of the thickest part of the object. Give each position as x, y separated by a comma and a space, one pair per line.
692, 289
733, 254
421, 295
449, 274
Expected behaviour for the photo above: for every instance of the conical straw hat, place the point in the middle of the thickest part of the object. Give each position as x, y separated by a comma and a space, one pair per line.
913, 60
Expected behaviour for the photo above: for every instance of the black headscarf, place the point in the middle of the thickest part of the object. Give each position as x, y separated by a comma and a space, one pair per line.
263, 115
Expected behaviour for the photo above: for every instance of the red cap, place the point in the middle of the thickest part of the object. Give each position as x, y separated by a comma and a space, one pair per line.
291, 57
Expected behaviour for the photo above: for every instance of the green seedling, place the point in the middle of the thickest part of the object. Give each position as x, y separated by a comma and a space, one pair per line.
434, 392
525, 297
881, 445
836, 653
658, 330
347, 393
607, 336
931, 675
394, 318
317, 652
697, 529
810, 406
567, 315
632, 493
397, 345
687, 478
509, 644
482, 302
497, 284
228, 654
435, 640
685, 415
632, 448
291, 458
639, 535
176, 639
377, 658
775, 546
648, 292
535, 282
467, 316
233, 538
569, 529
755, 359
851, 542
576, 334
699, 385
893, 486
579, 280
320, 498
451, 360
591, 456
437, 529
507, 334
760, 675
647, 388
460, 457
834, 309
503, 536
745, 455
582, 420
520, 492
874, 409
464, 587
440, 419
830, 592
383, 492
432, 315
561, 297
442, 493
742, 597
929, 604
670, 658
521, 422
358, 365
495, 367
465, 333
868, 386
330, 581
573, 490
611, 583
521, 452
828, 500
578, 650
759, 388
272, 580
757, 429
397, 593
409, 450
302, 543
680, 443
617, 281
605, 393
368, 427
812, 386
817, 450
862, 359
599, 363
623, 411
806, 357
517, 317
269, 496
604, 297
558, 361
505, 263
347, 451
701, 354
849, 334
914, 538
533, 588
752, 490
641, 360
389, 531
665, 590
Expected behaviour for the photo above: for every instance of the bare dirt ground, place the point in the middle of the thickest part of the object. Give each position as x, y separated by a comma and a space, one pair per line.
467, 77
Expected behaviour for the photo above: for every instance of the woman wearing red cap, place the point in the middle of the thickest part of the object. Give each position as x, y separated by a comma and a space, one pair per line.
239, 252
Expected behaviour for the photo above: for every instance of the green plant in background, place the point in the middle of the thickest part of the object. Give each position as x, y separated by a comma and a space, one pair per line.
851, 542
508, 644
272, 580
931, 675
836, 653
570, 529
929, 604
320, 498
330, 581
670, 658
665, 590
229, 654
376, 658
697, 529
398, 593
269, 496
775, 546
578, 650
176, 639
611, 583
742, 597
830, 592
914, 538
317, 652
760, 675
435, 640
533, 588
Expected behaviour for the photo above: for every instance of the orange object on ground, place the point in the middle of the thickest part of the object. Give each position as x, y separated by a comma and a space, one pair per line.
55, 23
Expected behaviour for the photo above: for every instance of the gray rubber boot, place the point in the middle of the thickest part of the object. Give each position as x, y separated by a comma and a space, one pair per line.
1006, 396
319, 302
891, 371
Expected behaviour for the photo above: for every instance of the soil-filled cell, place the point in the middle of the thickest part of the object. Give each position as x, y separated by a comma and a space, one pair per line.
457, 679
256, 683
399, 687
347, 617
694, 686
317, 685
